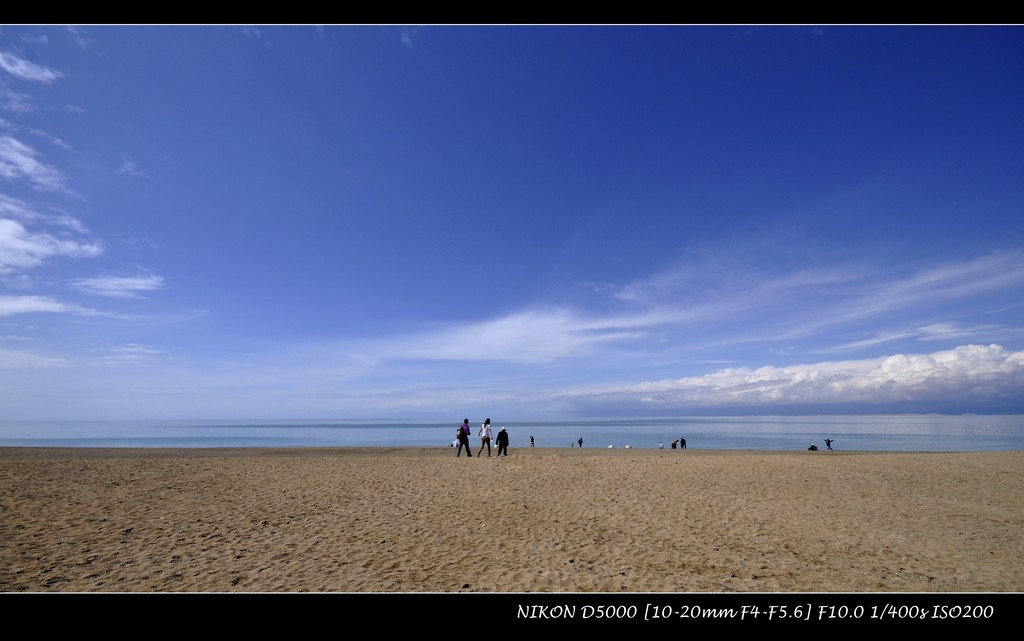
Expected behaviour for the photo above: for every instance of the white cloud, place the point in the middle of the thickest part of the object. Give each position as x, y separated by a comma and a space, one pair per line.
692, 315
21, 68
971, 371
21, 210
130, 354
130, 168
21, 249
14, 101
950, 281
119, 286
528, 337
931, 332
730, 304
10, 305
78, 37
53, 139
19, 359
407, 36
18, 161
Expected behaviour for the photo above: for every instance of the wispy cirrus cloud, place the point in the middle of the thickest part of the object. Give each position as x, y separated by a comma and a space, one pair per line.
29, 237
33, 304
932, 332
939, 283
129, 354
11, 305
78, 37
18, 162
49, 138
119, 286
130, 168
22, 249
13, 101
20, 210
745, 304
853, 290
25, 70
529, 337
23, 359
705, 311
407, 36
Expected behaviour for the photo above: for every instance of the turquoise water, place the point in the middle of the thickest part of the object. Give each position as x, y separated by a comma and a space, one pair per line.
861, 432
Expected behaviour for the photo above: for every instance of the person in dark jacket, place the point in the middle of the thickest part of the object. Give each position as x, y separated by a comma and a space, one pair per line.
502, 441
464, 439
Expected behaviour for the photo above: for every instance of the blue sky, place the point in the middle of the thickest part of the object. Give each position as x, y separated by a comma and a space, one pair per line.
439, 221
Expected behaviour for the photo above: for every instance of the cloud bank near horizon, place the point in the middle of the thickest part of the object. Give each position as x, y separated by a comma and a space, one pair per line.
977, 372
964, 379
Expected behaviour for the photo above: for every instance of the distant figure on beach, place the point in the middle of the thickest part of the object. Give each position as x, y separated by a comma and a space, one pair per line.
828, 445
675, 443
502, 442
531, 440
485, 437
812, 448
628, 446
580, 441
661, 445
682, 443
463, 437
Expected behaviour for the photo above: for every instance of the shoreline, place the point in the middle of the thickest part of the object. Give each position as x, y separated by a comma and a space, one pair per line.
437, 451
403, 519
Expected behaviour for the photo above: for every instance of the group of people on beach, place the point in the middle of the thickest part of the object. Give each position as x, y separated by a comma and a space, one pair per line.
501, 441
828, 444
679, 443
485, 434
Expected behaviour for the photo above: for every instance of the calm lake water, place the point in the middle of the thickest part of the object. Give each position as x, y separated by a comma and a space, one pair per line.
862, 432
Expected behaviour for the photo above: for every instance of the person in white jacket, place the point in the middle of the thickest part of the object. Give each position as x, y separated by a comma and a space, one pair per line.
485, 437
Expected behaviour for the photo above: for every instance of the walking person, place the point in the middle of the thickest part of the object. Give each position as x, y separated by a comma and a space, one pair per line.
485, 437
463, 436
531, 440
682, 443
502, 441
580, 442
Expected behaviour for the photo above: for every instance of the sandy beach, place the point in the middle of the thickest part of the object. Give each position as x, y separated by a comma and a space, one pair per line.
540, 520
